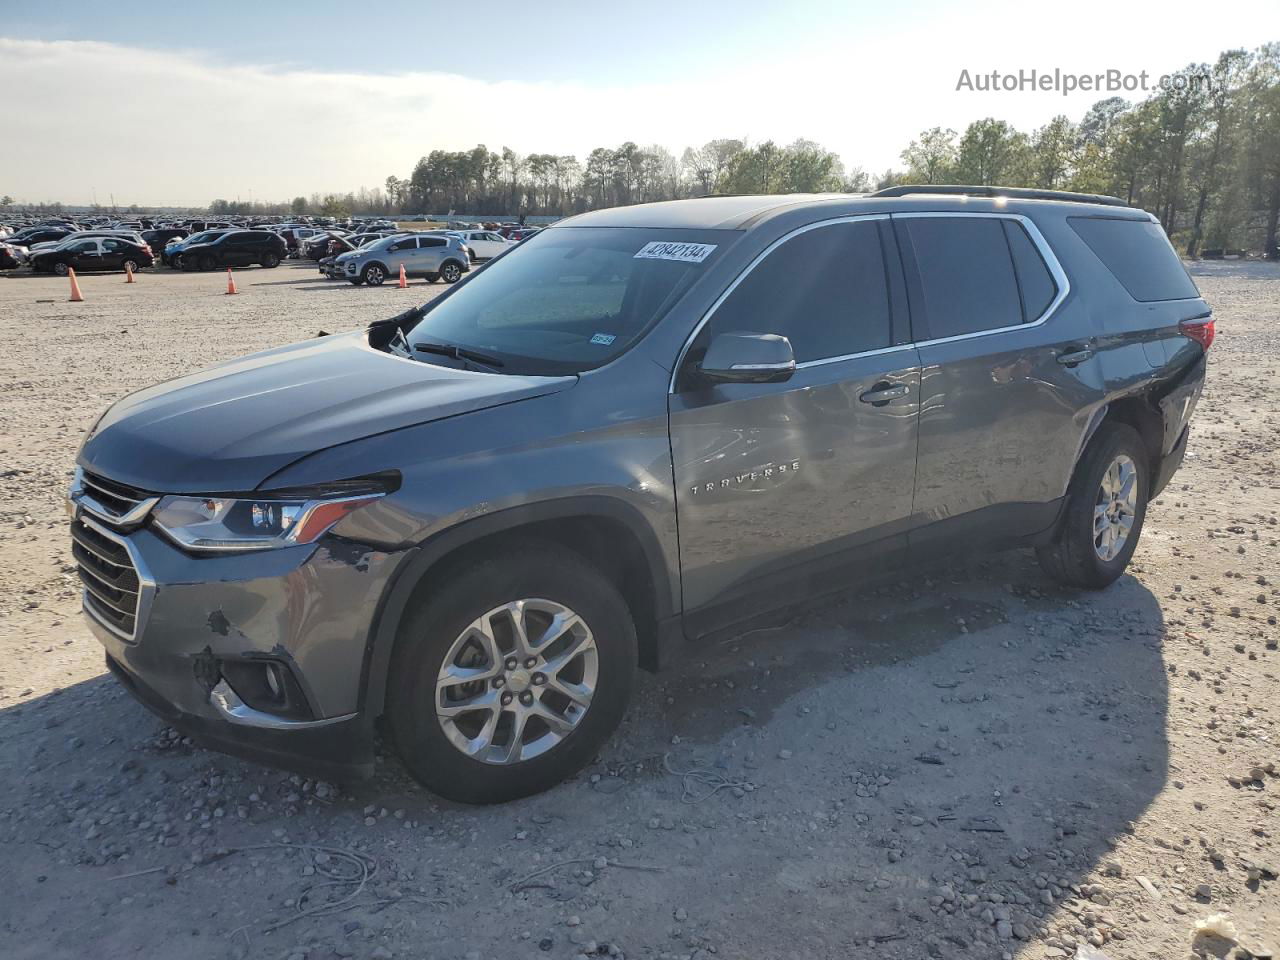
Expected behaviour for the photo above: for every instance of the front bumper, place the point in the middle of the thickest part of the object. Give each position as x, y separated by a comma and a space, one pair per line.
308, 610
339, 749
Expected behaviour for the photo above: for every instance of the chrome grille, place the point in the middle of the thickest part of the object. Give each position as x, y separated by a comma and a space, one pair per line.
111, 501
110, 579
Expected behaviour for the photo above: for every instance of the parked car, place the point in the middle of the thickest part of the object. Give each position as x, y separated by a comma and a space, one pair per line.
329, 265
171, 255
12, 255
131, 235
234, 248
157, 238
85, 254
33, 235
485, 244
463, 519
433, 257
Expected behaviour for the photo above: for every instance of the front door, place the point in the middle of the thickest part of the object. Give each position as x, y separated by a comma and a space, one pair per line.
782, 486
86, 255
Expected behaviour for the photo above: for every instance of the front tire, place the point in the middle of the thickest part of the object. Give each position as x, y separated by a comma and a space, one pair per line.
510, 674
374, 275
1106, 507
207, 263
61, 269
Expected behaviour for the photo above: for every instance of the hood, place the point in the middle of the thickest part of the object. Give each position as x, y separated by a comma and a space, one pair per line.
230, 427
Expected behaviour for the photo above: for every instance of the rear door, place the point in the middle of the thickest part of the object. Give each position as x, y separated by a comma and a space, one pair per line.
782, 485
431, 253
1002, 415
113, 253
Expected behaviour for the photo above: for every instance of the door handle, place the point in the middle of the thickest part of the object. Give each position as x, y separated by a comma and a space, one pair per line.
1075, 357
882, 393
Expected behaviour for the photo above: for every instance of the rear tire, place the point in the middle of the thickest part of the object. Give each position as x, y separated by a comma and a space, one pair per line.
270, 260
131, 266
451, 271
1105, 510
473, 756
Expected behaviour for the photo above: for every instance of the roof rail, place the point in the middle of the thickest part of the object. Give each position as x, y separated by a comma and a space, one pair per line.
1013, 193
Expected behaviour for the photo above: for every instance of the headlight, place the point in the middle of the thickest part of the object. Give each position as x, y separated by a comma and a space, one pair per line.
282, 519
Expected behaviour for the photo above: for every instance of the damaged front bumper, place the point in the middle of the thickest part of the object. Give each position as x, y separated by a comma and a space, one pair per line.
261, 655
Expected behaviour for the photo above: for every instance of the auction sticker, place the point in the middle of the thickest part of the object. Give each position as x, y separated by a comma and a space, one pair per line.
684, 252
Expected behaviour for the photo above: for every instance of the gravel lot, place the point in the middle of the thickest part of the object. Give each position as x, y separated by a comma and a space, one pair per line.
975, 765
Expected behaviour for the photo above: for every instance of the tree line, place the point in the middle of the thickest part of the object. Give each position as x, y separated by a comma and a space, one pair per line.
1202, 153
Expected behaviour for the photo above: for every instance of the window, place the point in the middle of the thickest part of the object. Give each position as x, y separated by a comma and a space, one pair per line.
966, 274
432, 242
571, 299
1138, 254
408, 243
1035, 283
84, 246
824, 290
113, 246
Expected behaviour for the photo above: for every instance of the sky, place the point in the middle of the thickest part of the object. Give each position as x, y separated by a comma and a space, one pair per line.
270, 101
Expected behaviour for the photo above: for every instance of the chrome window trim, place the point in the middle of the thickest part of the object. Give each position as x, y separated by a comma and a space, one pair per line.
146, 584
1041, 245
755, 262
1046, 252
855, 356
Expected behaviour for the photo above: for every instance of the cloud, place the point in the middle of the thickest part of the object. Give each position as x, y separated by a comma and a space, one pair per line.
180, 128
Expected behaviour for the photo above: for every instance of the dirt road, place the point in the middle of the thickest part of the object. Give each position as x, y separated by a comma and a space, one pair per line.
975, 765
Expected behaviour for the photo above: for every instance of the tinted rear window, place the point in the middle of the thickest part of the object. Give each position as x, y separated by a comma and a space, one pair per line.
966, 274
1139, 255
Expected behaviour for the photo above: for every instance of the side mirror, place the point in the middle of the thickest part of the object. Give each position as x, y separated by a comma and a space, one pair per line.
748, 358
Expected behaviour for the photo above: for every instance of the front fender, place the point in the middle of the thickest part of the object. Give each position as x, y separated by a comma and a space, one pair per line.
418, 562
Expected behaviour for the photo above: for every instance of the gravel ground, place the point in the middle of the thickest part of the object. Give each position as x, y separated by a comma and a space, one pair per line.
980, 764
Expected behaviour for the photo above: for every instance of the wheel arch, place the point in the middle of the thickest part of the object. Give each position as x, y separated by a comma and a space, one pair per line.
604, 530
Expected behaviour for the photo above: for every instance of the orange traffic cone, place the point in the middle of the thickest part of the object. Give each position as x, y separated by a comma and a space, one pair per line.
231, 283
75, 287
403, 282
128, 272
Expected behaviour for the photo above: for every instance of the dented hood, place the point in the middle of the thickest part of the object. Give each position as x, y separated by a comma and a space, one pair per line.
230, 427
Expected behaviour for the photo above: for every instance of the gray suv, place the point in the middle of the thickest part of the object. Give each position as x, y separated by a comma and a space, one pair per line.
432, 256
468, 524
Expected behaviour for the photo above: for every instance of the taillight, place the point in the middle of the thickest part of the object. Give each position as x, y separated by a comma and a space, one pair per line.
1199, 329
146, 248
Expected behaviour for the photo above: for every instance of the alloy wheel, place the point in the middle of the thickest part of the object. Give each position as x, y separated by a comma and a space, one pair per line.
1115, 508
517, 681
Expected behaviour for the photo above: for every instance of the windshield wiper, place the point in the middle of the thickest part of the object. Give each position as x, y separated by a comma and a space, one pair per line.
459, 353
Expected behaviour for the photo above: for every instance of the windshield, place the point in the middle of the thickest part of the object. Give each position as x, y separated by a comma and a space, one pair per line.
571, 298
